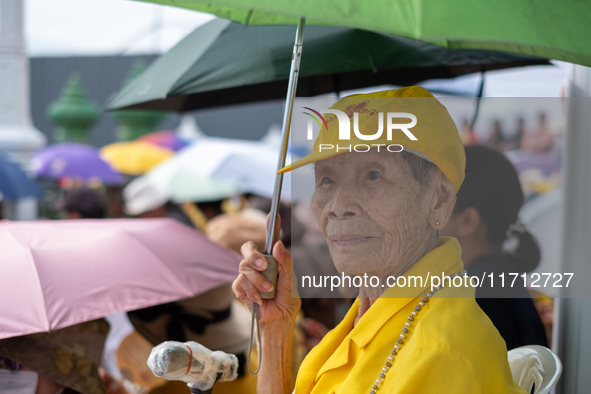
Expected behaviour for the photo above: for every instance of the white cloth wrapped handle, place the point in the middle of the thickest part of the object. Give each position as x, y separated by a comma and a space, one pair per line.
192, 363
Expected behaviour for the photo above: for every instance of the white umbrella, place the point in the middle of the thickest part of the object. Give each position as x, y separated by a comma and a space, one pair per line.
182, 181
217, 166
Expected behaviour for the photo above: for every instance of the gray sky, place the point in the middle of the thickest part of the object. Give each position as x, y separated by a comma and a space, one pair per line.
123, 27
95, 27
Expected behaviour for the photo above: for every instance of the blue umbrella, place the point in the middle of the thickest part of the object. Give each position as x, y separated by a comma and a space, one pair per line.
14, 182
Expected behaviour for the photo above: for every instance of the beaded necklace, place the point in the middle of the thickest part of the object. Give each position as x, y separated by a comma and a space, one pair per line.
407, 325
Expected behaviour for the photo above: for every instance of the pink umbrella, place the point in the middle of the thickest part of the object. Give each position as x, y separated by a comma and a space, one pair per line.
59, 273
166, 139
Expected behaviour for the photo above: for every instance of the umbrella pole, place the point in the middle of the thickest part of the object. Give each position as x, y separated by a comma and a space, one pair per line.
478, 99
271, 230
291, 91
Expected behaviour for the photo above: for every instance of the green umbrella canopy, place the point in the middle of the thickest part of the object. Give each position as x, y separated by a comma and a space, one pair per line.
223, 62
544, 28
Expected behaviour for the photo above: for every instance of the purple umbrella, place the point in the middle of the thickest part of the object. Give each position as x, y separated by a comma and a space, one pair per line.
528, 160
76, 161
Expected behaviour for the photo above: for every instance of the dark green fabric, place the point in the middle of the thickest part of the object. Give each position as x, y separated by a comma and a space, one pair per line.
222, 56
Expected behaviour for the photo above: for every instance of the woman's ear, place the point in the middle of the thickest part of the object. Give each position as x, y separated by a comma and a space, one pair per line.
467, 222
443, 200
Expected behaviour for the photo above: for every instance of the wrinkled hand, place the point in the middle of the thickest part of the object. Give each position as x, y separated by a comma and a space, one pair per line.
283, 308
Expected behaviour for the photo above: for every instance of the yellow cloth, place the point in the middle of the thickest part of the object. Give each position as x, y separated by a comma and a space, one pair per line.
451, 347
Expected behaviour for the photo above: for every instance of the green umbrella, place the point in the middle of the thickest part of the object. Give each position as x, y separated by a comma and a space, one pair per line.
543, 28
223, 63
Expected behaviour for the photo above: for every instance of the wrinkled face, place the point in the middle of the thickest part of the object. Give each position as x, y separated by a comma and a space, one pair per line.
372, 211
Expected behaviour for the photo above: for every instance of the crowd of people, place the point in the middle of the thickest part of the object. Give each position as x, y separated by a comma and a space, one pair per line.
438, 207
537, 139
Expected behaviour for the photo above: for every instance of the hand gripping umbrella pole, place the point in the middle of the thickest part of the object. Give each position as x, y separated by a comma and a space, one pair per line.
271, 272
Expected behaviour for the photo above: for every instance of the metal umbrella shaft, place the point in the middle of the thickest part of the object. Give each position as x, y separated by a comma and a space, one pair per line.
271, 271
287, 114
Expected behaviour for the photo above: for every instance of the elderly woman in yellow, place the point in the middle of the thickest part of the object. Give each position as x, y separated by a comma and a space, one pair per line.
380, 211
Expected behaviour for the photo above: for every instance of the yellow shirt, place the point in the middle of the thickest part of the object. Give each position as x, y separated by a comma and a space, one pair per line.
451, 347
